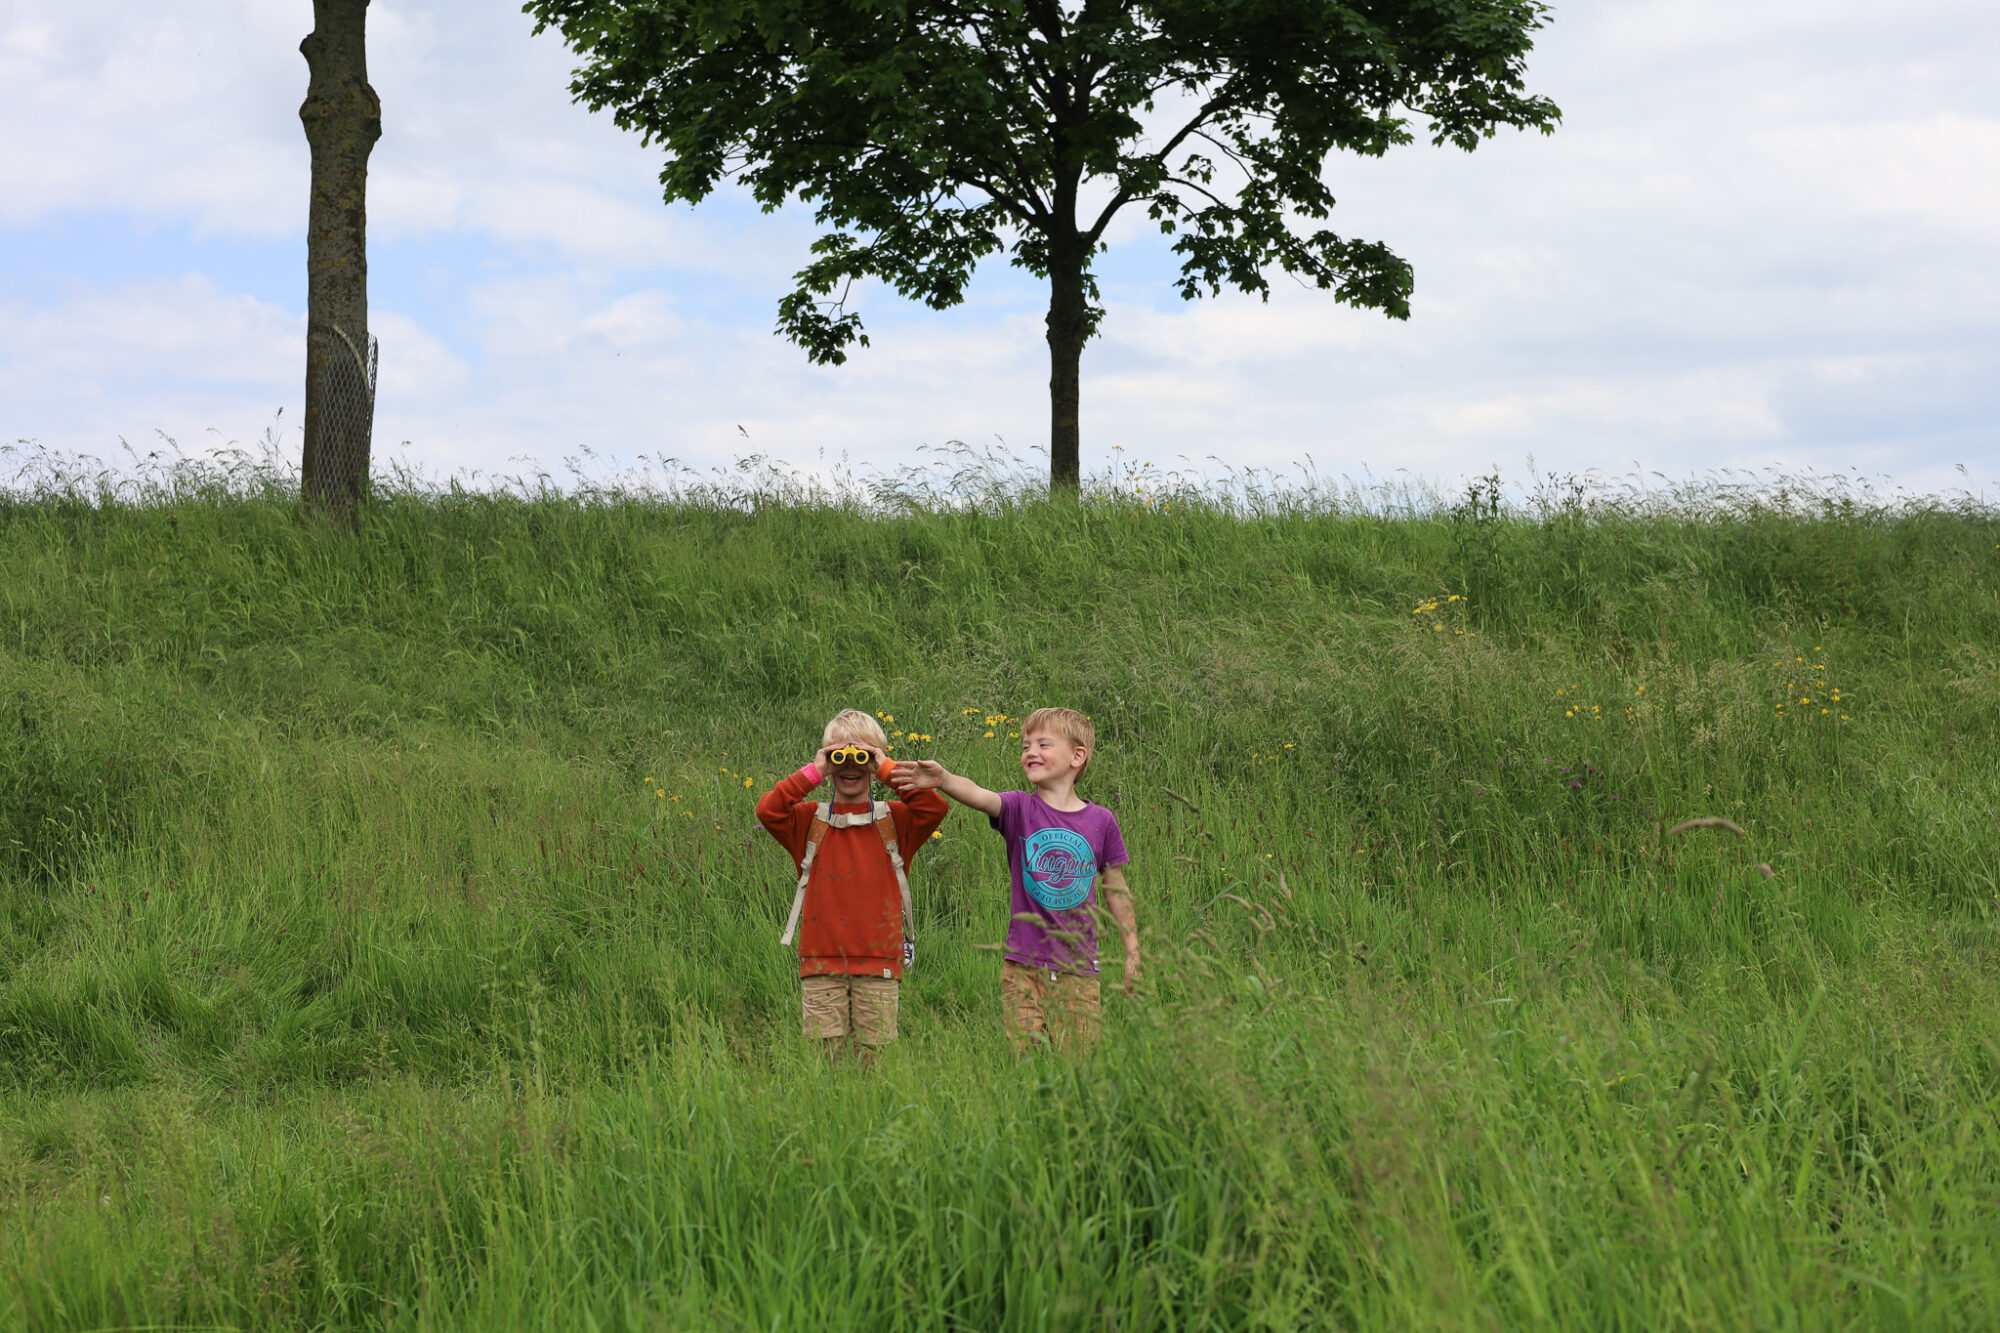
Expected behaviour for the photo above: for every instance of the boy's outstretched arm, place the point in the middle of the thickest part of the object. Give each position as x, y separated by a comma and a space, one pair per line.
923, 774
1118, 897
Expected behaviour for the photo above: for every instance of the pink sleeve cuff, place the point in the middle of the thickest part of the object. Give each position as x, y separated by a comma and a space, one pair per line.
811, 774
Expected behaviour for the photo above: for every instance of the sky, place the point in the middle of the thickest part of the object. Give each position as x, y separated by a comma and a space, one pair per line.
1765, 236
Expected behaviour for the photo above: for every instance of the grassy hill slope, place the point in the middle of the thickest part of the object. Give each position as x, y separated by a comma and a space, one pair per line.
388, 940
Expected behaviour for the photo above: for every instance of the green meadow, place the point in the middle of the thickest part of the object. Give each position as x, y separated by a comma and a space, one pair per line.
388, 941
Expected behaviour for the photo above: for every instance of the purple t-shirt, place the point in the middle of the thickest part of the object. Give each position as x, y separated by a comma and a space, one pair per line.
1054, 858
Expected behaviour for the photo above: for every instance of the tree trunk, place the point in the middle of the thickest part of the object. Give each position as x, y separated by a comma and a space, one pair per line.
1069, 328
343, 119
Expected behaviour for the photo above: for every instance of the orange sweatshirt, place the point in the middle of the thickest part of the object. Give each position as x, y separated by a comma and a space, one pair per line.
852, 924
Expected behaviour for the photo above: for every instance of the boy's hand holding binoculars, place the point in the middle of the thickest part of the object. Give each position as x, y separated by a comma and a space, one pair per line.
843, 757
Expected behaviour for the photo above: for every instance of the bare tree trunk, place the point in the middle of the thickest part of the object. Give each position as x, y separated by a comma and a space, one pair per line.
1069, 329
343, 119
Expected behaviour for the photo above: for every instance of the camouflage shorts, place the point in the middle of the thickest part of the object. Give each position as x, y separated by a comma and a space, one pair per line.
1040, 1007
863, 1006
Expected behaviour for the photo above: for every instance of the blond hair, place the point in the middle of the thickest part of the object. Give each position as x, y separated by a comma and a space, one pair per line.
1069, 724
852, 726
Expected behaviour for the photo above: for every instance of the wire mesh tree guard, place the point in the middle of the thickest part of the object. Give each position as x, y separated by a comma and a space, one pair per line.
336, 466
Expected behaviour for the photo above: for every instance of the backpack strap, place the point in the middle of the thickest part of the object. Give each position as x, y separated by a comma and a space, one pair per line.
823, 818
885, 826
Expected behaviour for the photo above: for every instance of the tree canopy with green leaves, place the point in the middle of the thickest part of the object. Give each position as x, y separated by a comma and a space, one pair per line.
930, 134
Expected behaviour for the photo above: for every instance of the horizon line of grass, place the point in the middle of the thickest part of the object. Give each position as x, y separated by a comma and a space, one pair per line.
959, 476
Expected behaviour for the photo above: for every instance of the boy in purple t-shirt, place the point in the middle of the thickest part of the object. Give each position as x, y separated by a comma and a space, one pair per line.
1059, 847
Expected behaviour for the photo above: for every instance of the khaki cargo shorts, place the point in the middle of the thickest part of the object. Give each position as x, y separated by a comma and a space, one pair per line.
1059, 1009
862, 1006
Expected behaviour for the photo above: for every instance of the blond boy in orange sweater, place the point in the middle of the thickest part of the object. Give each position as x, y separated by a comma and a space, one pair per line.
851, 910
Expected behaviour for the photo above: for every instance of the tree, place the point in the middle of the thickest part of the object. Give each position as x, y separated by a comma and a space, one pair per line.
929, 134
343, 119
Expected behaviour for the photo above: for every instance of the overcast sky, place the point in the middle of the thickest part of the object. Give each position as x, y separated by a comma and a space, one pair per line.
1766, 234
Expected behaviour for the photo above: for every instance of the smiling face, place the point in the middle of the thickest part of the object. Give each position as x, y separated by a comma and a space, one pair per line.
1047, 757
851, 784
853, 727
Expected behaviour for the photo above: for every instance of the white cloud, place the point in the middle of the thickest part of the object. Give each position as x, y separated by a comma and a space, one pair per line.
155, 110
422, 366
1764, 234
175, 355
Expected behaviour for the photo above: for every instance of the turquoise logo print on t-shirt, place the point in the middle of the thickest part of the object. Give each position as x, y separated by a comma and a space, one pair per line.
1058, 867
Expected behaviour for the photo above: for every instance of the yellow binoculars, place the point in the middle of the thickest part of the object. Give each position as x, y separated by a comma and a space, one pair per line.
852, 756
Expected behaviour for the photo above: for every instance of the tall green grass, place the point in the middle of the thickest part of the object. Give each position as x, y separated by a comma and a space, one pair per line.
388, 941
